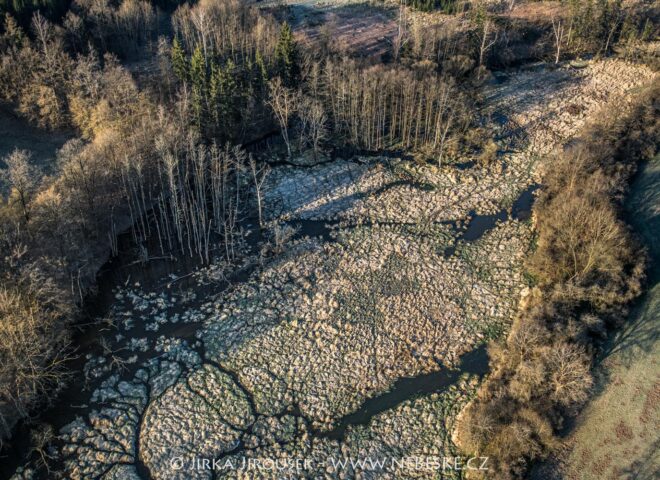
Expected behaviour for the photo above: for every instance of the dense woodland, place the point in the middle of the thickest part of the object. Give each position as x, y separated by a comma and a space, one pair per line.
162, 152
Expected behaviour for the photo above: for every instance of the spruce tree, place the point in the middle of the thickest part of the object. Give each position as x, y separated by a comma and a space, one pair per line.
224, 99
260, 74
286, 57
179, 61
215, 92
198, 80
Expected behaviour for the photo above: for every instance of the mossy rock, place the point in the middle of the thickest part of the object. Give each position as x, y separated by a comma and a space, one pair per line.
579, 64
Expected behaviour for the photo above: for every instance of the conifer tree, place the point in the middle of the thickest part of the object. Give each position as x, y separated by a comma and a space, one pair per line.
215, 92
223, 93
231, 95
259, 74
286, 57
179, 62
199, 84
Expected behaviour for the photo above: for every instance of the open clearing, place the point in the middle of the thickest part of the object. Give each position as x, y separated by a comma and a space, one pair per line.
17, 133
349, 26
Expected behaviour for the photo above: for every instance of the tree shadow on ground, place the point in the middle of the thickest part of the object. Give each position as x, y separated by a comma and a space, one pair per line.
639, 334
641, 331
645, 468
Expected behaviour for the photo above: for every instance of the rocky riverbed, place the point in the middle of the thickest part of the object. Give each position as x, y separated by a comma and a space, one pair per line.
397, 270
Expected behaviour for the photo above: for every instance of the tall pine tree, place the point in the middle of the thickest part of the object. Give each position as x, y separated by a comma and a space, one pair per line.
215, 92
286, 57
224, 100
259, 74
179, 62
198, 80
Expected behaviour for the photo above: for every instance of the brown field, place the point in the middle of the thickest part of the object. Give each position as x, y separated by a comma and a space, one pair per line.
347, 26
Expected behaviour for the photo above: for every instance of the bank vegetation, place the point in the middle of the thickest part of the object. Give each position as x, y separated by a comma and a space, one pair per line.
587, 269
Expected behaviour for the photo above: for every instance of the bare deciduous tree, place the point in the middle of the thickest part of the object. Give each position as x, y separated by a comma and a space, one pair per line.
22, 177
570, 376
284, 102
401, 37
259, 174
378, 107
486, 31
33, 345
43, 30
314, 124
558, 32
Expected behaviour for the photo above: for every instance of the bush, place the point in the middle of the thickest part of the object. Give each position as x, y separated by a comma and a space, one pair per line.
589, 268
33, 344
488, 153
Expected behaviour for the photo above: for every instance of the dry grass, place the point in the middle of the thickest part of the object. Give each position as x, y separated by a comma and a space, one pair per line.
588, 269
617, 434
352, 29
536, 11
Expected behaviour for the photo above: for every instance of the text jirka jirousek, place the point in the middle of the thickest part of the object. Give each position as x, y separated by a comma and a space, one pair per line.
419, 463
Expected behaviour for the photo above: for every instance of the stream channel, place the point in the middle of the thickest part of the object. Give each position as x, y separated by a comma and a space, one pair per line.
173, 275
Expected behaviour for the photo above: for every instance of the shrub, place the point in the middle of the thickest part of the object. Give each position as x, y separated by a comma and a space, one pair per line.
589, 268
33, 344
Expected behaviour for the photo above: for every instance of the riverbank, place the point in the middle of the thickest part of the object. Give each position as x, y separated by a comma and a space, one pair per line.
616, 436
587, 269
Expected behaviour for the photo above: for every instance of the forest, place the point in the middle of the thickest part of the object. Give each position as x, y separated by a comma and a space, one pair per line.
168, 105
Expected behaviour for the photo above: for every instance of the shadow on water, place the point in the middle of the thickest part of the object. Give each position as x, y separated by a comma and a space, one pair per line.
476, 227
171, 275
480, 224
520, 210
167, 274
473, 363
462, 166
322, 229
